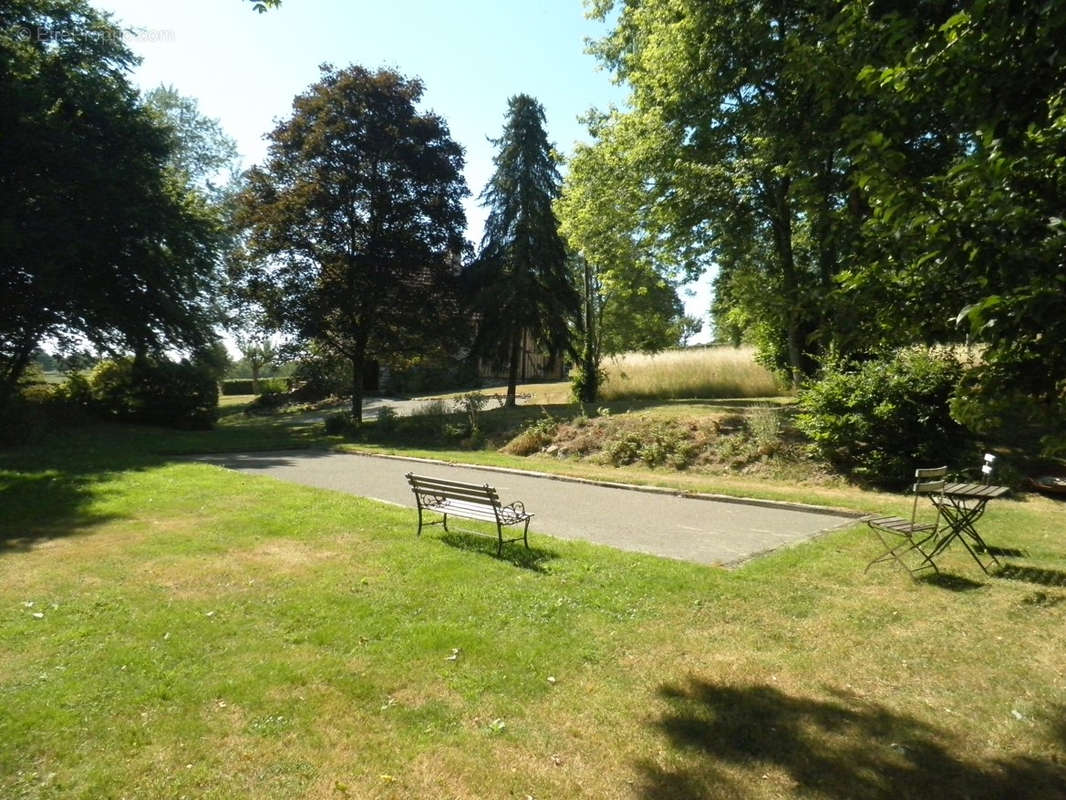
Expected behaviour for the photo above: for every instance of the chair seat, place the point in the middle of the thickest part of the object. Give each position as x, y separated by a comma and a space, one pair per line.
899, 525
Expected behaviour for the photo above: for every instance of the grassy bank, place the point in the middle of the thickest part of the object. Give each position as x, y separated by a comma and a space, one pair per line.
174, 629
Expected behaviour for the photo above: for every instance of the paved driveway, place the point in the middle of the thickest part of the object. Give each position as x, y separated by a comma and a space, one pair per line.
699, 530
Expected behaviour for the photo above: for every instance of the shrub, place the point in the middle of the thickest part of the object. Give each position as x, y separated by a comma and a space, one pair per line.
156, 392
319, 376
386, 420
471, 404
885, 416
536, 435
764, 425
433, 375
234, 386
340, 423
653, 442
267, 403
585, 384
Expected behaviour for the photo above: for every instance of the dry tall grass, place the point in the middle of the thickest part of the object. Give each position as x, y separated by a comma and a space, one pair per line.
676, 374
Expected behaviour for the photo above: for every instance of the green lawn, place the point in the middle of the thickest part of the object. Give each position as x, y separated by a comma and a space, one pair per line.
170, 629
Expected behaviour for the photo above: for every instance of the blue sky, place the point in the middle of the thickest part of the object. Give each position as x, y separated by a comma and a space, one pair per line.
244, 68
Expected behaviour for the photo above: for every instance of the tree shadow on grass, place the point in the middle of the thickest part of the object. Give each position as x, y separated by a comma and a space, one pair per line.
841, 747
1037, 575
514, 553
44, 505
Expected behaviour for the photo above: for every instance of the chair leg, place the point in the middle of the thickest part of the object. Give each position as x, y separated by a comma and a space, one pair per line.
897, 551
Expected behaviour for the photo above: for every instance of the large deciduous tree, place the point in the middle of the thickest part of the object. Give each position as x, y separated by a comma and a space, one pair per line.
99, 238
354, 224
979, 237
201, 150
628, 290
749, 168
523, 285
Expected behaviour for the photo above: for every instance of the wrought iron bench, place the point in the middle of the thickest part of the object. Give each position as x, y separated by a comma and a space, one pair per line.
469, 501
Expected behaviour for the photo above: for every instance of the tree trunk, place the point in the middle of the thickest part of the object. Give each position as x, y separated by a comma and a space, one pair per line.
358, 362
512, 370
782, 227
590, 357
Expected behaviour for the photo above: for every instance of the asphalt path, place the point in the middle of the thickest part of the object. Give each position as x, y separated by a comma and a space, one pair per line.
704, 531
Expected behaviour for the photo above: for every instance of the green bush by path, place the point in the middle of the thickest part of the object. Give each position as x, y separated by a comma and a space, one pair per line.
155, 392
888, 416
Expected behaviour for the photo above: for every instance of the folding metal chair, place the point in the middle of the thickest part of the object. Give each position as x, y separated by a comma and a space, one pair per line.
902, 536
987, 467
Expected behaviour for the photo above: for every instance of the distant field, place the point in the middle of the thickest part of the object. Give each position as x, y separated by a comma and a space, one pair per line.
714, 373
692, 373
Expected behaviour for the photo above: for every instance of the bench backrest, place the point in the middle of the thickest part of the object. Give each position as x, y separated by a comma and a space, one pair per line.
453, 490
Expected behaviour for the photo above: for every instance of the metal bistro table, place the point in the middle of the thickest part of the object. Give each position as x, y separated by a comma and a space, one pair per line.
961, 505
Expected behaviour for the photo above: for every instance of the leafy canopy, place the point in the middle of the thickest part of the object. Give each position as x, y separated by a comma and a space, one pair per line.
521, 279
354, 224
100, 238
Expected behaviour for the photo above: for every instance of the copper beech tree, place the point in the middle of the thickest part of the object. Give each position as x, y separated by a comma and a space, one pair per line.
354, 228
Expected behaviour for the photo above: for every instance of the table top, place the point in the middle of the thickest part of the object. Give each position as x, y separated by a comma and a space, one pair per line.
977, 490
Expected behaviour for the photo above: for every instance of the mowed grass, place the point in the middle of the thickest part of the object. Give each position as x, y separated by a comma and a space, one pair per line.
695, 372
172, 629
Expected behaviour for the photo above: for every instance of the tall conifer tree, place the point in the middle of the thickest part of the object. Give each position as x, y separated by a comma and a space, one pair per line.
523, 285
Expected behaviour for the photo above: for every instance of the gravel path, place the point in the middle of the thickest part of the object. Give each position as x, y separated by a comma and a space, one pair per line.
703, 531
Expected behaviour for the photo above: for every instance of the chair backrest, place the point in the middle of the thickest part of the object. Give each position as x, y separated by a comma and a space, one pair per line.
927, 480
987, 467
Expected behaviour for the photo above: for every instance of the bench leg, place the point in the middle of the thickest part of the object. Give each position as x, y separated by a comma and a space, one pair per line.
419, 521
525, 534
445, 523
499, 537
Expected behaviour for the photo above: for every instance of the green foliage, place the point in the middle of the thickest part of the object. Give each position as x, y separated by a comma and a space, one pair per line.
355, 224
100, 238
521, 283
386, 419
996, 406
156, 392
341, 423
534, 437
471, 404
732, 152
320, 375
422, 375
268, 402
886, 416
200, 148
652, 442
585, 382
973, 240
